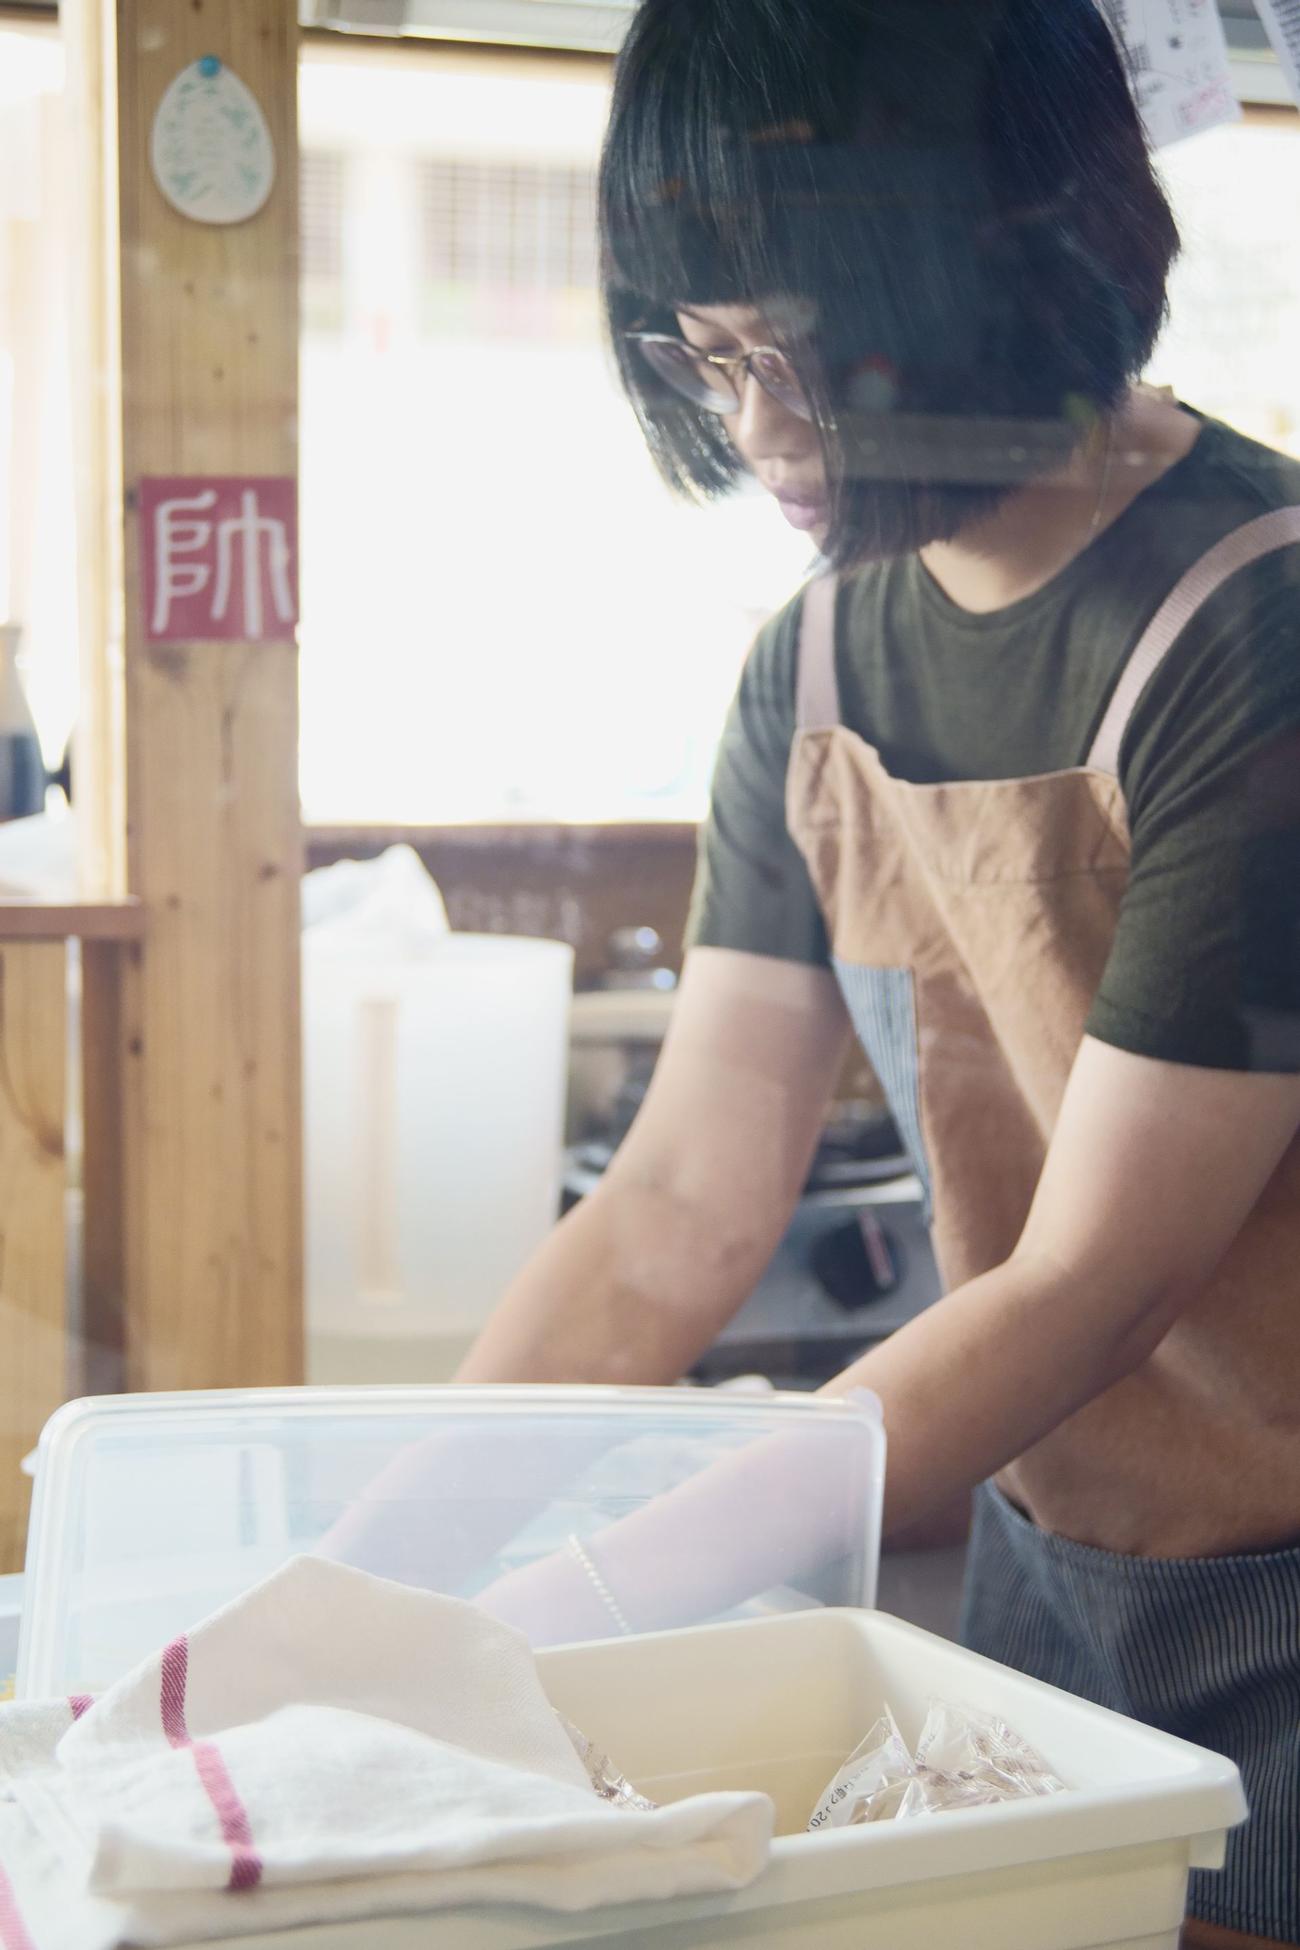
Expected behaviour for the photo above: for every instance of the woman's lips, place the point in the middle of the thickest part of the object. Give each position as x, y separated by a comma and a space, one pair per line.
802, 513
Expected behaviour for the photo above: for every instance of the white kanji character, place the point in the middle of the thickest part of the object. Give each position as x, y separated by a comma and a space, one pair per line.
173, 537
248, 528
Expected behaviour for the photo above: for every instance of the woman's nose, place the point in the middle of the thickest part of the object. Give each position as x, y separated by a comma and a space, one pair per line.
762, 428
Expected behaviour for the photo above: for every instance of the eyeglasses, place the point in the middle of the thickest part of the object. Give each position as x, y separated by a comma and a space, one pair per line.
714, 380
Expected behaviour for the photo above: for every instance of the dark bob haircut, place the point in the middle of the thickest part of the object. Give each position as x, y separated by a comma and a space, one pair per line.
955, 194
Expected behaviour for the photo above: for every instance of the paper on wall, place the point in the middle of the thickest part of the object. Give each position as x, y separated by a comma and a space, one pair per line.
1281, 20
1177, 58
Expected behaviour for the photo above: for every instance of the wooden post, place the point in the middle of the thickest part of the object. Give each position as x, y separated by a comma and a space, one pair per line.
206, 759
33, 1270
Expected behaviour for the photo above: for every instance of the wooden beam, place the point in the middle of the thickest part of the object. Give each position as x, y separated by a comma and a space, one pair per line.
40, 920
213, 1091
34, 1376
206, 763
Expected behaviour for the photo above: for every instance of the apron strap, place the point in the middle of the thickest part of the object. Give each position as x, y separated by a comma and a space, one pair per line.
817, 691
1263, 536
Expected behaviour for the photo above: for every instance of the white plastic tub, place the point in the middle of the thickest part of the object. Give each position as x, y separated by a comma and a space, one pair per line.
778, 1704
434, 1084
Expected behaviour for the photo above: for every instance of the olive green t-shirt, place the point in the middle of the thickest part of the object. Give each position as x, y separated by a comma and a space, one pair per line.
1205, 967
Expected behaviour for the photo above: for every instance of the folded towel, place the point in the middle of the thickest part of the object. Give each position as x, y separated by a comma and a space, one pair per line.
335, 1746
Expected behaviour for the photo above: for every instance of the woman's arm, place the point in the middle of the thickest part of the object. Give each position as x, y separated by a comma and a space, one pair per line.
1152, 1171
637, 1281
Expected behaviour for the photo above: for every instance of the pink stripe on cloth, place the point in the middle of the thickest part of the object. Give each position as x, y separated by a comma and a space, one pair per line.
236, 1830
13, 1931
175, 1673
79, 1703
246, 1863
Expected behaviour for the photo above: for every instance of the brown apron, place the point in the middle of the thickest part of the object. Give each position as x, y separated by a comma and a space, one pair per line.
970, 924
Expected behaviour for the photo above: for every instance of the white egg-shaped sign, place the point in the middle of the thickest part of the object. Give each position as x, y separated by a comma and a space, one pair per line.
211, 151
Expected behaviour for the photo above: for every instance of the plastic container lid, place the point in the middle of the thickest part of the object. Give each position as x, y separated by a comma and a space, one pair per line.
636, 1509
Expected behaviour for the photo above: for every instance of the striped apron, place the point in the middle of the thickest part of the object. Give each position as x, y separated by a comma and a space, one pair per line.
970, 924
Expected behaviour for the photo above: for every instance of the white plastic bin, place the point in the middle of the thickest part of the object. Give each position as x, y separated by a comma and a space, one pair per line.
777, 1704
434, 1084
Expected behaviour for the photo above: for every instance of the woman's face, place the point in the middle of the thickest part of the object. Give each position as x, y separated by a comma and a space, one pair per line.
896, 511
779, 446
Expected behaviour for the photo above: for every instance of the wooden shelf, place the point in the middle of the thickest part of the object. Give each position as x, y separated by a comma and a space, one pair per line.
529, 836
35, 920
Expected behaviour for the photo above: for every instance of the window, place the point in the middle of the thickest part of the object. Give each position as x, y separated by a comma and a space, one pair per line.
320, 196
504, 615
1230, 348
509, 225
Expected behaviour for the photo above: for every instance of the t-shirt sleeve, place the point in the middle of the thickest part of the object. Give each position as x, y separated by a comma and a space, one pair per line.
1205, 967
752, 888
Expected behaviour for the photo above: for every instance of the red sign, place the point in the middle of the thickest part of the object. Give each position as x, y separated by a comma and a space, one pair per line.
220, 559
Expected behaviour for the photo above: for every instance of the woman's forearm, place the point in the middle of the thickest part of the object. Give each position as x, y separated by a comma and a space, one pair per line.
979, 1378
644, 1274
630, 1288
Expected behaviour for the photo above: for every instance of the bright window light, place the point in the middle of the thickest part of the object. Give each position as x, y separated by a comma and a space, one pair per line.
505, 616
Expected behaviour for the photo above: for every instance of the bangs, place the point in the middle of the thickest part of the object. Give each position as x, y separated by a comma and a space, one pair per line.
733, 182
869, 254
686, 203
720, 188
715, 225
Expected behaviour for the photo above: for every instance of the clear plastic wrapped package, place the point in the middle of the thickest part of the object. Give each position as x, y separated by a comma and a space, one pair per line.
609, 1784
963, 1759
872, 1781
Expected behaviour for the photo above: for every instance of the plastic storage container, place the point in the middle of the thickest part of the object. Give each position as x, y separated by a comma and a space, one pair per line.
434, 1084
776, 1705
149, 1511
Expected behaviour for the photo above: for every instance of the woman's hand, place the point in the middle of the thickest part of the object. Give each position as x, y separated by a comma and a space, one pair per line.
784, 1508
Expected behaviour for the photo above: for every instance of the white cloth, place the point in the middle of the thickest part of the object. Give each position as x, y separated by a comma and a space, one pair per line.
331, 1746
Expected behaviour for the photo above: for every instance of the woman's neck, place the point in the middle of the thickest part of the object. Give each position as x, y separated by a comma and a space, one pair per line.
1040, 530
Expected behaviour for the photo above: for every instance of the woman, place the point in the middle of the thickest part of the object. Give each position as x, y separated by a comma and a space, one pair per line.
989, 798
